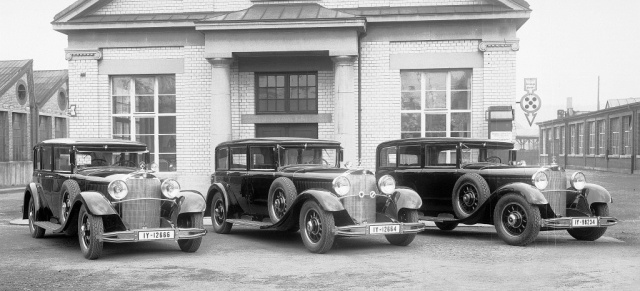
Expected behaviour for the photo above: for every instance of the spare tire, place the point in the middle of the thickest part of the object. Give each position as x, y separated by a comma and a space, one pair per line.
281, 195
469, 193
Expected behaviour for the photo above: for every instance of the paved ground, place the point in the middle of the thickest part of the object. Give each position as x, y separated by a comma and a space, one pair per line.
466, 258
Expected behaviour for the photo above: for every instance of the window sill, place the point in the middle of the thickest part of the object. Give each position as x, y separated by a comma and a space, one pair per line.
625, 156
599, 156
613, 156
590, 156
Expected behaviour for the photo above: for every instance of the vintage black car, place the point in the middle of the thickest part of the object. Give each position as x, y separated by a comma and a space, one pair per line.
471, 181
296, 183
103, 190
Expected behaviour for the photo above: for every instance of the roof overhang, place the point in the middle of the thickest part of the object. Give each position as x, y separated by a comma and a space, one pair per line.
358, 24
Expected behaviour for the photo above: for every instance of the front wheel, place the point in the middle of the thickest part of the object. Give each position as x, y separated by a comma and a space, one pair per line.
404, 215
36, 231
316, 228
90, 229
219, 215
516, 221
591, 234
192, 220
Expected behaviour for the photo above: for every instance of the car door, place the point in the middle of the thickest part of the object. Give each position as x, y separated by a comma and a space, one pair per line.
409, 169
438, 176
262, 166
46, 175
237, 176
61, 172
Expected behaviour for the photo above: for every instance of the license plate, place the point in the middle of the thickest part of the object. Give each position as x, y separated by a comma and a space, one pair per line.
384, 229
584, 222
154, 235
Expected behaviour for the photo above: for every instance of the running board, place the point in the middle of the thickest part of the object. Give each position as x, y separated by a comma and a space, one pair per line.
50, 226
249, 222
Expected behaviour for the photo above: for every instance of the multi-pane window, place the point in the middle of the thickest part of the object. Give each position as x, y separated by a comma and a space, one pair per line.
61, 127
4, 136
580, 138
591, 137
549, 141
435, 103
44, 128
614, 141
559, 140
626, 135
20, 130
601, 137
295, 93
144, 109
572, 139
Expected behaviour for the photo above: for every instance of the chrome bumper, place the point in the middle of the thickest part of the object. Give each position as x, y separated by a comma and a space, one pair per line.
360, 230
132, 235
565, 222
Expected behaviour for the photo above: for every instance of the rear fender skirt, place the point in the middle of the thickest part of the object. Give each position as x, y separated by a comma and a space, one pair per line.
95, 202
193, 201
596, 194
216, 187
407, 198
529, 192
32, 190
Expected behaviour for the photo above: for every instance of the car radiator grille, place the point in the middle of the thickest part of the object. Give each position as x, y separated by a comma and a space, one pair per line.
361, 209
142, 213
555, 193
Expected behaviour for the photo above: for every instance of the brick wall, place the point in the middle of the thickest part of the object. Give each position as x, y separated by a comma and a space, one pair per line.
499, 80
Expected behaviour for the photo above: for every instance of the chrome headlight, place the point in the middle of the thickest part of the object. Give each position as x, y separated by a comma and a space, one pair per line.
578, 180
341, 185
170, 188
387, 184
118, 189
154, 167
540, 180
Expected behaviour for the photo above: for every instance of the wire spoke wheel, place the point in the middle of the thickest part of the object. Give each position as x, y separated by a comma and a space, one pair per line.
468, 198
313, 226
316, 227
515, 219
279, 203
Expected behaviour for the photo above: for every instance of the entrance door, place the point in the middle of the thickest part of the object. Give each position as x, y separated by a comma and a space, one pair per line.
309, 130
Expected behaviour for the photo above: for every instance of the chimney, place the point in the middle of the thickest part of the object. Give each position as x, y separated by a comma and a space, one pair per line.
569, 106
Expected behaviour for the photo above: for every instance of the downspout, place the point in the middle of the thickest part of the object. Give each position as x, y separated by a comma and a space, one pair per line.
360, 98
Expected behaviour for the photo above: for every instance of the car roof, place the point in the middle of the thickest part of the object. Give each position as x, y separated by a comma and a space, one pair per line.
449, 140
280, 140
93, 142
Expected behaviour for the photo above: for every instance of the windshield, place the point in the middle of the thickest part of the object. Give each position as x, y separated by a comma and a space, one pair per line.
86, 159
308, 156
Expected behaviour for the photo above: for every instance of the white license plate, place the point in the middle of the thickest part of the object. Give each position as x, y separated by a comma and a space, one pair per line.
384, 229
154, 235
584, 222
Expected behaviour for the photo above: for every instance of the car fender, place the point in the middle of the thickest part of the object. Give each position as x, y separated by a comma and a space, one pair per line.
193, 201
327, 200
529, 192
212, 189
407, 198
95, 203
596, 194
32, 190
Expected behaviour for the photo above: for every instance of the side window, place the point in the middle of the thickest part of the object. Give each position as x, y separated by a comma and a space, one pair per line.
441, 156
409, 156
36, 159
46, 158
61, 159
388, 157
239, 158
222, 159
262, 158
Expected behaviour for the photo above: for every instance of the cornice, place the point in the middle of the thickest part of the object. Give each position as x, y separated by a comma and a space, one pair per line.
506, 45
83, 55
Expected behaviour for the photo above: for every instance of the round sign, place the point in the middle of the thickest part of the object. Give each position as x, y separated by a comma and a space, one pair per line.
530, 103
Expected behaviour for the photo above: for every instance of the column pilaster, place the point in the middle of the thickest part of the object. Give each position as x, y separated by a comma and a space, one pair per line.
345, 115
220, 129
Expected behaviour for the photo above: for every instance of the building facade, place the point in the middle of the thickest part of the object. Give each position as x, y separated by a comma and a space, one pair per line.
185, 75
606, 139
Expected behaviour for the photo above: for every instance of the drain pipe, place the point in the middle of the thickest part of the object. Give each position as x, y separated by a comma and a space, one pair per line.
360, 99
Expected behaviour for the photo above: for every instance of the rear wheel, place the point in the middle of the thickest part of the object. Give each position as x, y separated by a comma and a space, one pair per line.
316, 228
516, 220
404, 215
219, 215
446, 225
192, 220
90, 229
36, 231
594, 233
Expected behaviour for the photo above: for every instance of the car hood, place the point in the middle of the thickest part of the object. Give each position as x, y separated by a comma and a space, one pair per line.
317, 172
106, 173
514, 170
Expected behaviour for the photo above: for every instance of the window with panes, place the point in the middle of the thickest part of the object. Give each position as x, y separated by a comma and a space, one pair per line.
572, 139
601, 136
19, 128
591, 138
144, 109
580, 138
626, 135
4, 136
61, 127
435, 103
614, 141
561, 150
286, 93
44, 128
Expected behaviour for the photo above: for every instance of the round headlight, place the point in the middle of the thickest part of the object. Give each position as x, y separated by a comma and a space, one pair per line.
578, 180
170, 188
341, 185
154, 167
118, 189
540, 180
387, 184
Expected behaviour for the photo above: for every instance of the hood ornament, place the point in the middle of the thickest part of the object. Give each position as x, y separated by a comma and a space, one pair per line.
142, 166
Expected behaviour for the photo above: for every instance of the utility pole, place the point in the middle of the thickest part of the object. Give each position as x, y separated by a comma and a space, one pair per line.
598, 93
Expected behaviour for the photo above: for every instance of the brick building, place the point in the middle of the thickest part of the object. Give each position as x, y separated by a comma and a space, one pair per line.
185, 75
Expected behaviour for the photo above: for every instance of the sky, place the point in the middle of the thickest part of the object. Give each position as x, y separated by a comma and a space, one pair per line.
566, 45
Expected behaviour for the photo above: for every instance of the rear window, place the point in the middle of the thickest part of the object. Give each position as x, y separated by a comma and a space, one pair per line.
222, 159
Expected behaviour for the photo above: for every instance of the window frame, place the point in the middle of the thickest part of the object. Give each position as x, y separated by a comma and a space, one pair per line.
580, 138
388, 165
21, 154
591, 137
246, 158
5, 142
287, 92
400, 152
218, 167
251, 158
626, 135
615, 139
